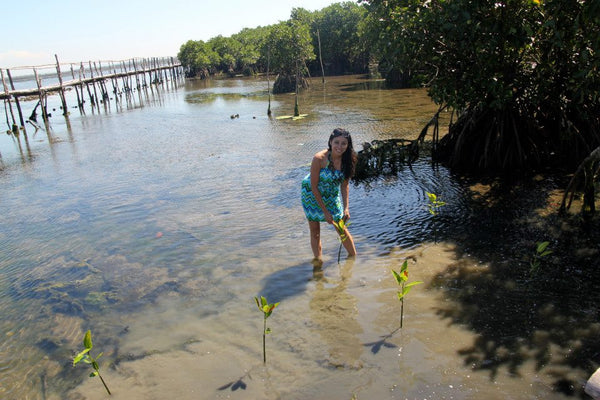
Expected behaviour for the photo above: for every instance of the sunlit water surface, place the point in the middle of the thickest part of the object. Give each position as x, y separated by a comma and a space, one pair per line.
154, 223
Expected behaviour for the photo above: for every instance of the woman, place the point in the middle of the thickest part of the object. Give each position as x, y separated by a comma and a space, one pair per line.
325, 190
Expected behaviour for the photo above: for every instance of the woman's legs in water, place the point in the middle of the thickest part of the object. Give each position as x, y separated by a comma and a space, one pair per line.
315, 240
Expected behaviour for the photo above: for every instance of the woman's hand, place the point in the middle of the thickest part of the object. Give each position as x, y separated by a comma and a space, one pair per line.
346, 216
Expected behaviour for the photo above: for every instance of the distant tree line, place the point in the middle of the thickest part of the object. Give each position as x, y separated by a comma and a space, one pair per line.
521, 76
289, 48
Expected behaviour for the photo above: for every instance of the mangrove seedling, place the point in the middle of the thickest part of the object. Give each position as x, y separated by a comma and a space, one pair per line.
267, 310
86, 357
433, 207
340, 227
434, 203
401, 279
541, 251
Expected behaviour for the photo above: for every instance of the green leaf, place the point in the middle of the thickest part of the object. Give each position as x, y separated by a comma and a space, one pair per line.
413, 284
93, 374
80, 356
268, 331
397, 276
404, 266
263, 300
95, 365
542, 246
87, 340
257, 303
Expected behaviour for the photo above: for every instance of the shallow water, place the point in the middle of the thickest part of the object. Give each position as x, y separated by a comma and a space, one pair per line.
154, 223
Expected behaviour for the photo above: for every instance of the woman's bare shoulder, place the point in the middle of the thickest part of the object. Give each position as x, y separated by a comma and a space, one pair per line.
321, 158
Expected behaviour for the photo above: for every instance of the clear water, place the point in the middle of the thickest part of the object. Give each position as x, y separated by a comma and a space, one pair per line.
155, 222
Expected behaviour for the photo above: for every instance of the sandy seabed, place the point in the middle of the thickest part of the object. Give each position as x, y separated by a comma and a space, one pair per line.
338, 339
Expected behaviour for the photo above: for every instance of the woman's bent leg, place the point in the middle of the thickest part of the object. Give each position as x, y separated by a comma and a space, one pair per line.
349, 244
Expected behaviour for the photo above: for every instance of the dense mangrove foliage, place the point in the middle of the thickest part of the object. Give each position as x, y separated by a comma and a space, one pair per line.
523, 76
520, 77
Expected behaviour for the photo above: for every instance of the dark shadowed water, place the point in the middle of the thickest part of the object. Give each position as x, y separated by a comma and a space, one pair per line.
155, 222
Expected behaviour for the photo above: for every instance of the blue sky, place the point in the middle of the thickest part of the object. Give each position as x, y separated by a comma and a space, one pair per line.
83, 30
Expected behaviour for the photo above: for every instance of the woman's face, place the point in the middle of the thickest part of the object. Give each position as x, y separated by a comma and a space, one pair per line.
339, 144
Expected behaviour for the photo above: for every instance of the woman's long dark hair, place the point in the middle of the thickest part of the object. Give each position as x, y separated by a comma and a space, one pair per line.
349, 157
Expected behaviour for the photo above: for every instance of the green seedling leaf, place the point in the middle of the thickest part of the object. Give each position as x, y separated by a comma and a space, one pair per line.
542, 246
87, 340
80, 356
397, 276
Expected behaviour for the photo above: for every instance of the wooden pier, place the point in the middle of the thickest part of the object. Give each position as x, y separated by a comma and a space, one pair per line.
90, 77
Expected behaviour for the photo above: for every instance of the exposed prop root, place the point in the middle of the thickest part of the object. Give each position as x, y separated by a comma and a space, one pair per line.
587, 173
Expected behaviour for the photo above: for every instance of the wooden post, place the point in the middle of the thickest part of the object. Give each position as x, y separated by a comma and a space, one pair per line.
137, 78
143, 72
62, 91
124, 78
42, 95
12, 86
8, 99
79, 103
115, 82
82, 75
101, 82
94, 85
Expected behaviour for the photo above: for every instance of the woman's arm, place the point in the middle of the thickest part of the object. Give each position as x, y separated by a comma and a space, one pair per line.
315, 172
345, 188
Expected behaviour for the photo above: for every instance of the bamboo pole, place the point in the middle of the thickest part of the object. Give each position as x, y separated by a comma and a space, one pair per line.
268, 82
321, 56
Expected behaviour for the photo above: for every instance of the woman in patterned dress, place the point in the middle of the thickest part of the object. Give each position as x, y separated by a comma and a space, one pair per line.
325, 190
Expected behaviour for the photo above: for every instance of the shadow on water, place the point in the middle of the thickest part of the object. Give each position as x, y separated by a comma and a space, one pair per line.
286, 283
550, 316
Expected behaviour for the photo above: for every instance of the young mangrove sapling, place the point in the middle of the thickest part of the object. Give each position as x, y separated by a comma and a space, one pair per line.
267, 309
86, 356
401, 279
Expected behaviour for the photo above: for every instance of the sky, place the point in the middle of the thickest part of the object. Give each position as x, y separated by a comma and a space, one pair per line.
34, 31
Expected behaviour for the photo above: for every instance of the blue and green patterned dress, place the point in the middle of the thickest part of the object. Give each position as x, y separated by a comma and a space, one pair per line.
329, 186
